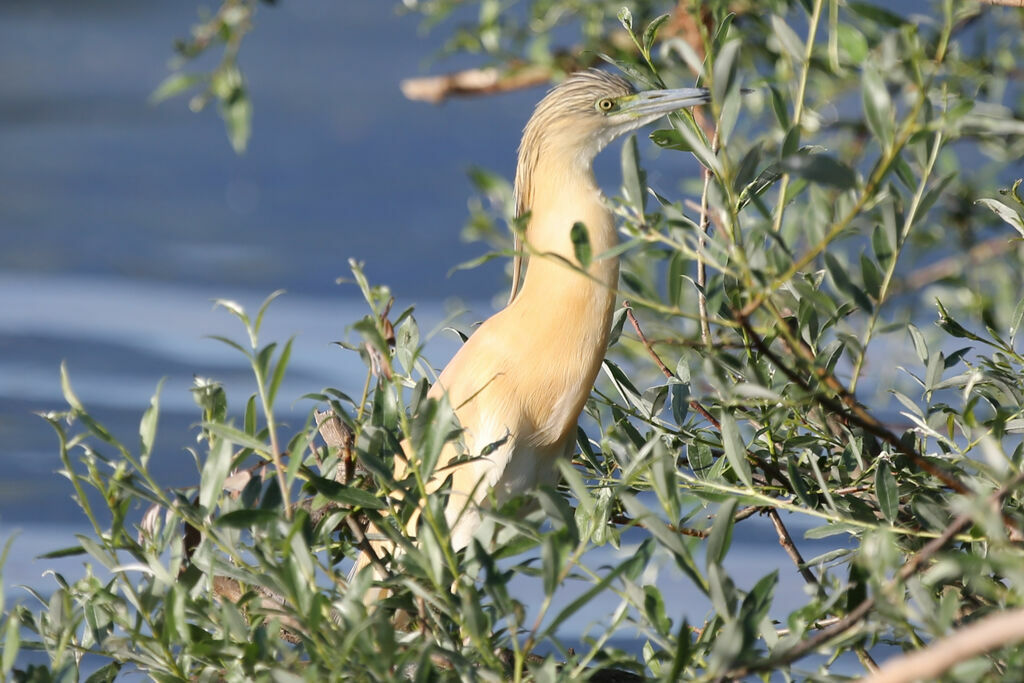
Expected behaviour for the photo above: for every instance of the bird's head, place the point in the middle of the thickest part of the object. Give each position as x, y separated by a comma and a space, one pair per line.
589, 109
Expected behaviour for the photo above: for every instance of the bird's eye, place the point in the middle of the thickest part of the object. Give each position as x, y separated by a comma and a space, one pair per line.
605, 104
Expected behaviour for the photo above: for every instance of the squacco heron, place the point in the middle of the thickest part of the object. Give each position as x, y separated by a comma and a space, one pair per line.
519, 384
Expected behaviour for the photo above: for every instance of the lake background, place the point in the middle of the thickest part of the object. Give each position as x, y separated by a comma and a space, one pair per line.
121, 221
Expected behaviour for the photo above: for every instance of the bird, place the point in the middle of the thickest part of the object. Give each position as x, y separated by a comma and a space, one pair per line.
521, 380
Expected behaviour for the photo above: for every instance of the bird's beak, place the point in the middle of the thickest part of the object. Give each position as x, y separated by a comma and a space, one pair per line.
657, 102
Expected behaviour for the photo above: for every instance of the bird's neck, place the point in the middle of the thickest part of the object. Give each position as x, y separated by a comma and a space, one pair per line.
561, 193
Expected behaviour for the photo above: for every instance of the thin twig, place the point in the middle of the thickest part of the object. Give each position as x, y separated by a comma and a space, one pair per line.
695, 405
786, 541
702, 240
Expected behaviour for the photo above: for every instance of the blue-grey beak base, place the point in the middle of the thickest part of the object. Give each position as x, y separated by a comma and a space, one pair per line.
652, 102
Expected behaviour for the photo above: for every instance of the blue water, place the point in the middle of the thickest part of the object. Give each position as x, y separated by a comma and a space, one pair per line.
121, 221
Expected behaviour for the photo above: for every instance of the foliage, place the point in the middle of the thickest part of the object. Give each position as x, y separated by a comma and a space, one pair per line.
224, 83
788, 370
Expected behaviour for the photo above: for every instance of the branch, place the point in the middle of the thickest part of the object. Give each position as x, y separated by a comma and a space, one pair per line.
846, 406
518, 74
664, 368
485, 81
854, 617
786, 541
992, 632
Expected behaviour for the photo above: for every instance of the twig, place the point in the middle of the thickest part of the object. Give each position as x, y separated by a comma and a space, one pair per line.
365, 546
786, 541
695, 405
702, 270
984, 635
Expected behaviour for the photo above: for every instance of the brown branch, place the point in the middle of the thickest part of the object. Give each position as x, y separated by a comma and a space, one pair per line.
846, 406
647, 344
786, 541
695, 405
469, 82
991, 632
518, 74
1005, 3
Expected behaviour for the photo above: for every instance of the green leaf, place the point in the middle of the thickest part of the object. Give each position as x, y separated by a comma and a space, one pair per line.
12, 644
694, 138
1016, 320
845, 285
236, 111
651, 32
243, 519
951, 326
788, 39
1005, 212
735, 451
580, 244
725, 68
881, 245
279, 370
65, 386
871, 275
554, 552
670, 138
105, 674
175, 84
887, 491
780, 109
679, 394
634, 179
699, 457
215, 470
799, 487
667, 538
626, 18
432, 427
852, 42
877, 14
920, 346
348, 495
720, 537
821, 169
877, 106
147, 426
236, 436
70, 551
631, 566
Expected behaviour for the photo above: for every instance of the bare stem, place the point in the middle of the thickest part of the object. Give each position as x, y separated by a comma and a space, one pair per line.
702, 270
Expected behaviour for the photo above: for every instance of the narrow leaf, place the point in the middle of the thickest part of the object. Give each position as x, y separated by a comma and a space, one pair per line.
580, 244
735, 451
887, 491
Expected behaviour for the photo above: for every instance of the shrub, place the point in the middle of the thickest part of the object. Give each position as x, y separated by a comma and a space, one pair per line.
775, 361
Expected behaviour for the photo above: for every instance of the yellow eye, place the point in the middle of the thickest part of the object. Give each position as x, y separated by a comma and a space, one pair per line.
605, 104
